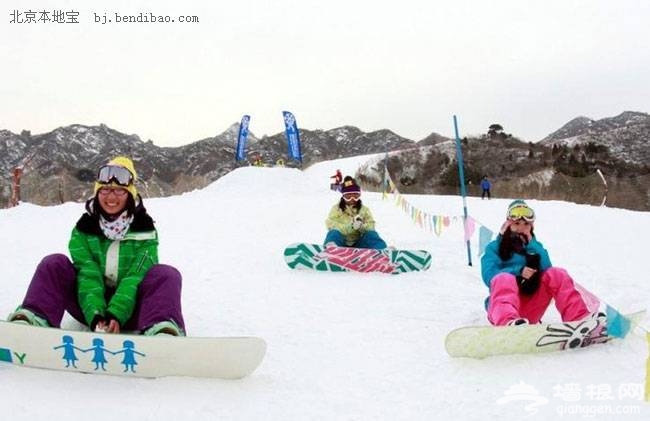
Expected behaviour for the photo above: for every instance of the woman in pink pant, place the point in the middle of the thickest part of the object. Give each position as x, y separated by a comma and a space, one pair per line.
522, 281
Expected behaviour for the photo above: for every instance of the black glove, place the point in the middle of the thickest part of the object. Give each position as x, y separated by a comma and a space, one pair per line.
533, 261
529, 286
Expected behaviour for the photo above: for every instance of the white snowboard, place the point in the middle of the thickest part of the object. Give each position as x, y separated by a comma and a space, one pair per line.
485, 341
130, 355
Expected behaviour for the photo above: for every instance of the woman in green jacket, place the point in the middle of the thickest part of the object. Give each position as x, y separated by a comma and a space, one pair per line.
114, 281
350, 223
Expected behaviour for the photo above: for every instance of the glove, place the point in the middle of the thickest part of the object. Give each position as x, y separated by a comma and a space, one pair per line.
533, 260
357, 223
105, 324
529, 286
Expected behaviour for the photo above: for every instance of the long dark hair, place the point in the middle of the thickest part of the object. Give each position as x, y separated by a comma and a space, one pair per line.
511, 243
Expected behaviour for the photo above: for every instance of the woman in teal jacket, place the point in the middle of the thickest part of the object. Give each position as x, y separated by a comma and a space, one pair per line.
350, 223
522, 281
114, 281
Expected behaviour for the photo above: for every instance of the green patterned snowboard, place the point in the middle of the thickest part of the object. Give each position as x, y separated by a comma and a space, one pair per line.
349, 259
486, 341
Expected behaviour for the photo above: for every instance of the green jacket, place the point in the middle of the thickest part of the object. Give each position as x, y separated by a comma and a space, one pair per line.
109, 272
342, 221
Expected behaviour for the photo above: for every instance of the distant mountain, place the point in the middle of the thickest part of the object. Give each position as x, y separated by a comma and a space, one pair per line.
627, 136
432, 139
573, 128
60, 165
566, 165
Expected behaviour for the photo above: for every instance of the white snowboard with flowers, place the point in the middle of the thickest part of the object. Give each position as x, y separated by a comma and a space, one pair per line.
485, 341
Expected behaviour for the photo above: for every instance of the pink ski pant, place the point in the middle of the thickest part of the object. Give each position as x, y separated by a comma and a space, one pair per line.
506, 303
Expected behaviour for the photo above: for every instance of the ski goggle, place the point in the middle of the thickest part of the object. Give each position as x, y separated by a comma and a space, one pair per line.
521, 212
112, 173
352, 196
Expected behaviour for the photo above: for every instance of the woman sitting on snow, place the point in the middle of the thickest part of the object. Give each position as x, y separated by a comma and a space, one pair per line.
350, 223
522, 281
114, 281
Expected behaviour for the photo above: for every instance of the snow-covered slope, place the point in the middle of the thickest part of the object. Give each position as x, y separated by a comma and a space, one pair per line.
340, 346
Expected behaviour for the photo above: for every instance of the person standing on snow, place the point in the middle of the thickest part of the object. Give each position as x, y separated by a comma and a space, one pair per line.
350, 223
485, 186
337, 178
114, 281
522, 281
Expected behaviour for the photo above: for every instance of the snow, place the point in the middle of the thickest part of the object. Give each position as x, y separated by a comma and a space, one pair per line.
342, 346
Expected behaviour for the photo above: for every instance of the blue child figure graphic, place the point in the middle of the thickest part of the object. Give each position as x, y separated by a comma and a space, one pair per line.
99, 357
68, 351
129, 356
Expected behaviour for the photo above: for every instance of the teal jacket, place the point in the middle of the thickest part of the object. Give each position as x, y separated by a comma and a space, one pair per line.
492, 265
342, 221
109, 272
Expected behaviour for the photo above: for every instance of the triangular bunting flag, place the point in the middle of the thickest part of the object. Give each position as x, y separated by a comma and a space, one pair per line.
617, 324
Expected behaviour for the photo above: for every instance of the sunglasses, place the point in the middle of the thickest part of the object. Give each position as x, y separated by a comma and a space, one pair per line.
521, 212
111, 173
352, 196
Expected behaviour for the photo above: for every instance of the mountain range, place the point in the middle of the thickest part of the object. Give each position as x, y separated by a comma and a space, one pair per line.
60, 165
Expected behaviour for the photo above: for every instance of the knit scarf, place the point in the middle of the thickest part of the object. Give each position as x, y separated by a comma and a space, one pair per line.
117, 228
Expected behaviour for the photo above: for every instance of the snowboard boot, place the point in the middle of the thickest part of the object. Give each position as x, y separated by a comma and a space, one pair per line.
27, 317
518, 322
168, 328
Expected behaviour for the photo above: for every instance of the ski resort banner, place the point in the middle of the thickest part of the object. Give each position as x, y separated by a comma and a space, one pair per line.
241, 138
293, 136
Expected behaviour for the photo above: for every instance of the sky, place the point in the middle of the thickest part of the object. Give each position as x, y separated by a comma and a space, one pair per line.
342, 346
407, 66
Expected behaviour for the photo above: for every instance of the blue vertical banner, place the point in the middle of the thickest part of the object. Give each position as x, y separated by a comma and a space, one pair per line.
241, 138
293, 137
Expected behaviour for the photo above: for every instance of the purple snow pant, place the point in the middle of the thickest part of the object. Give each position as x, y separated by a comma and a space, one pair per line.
53, 291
